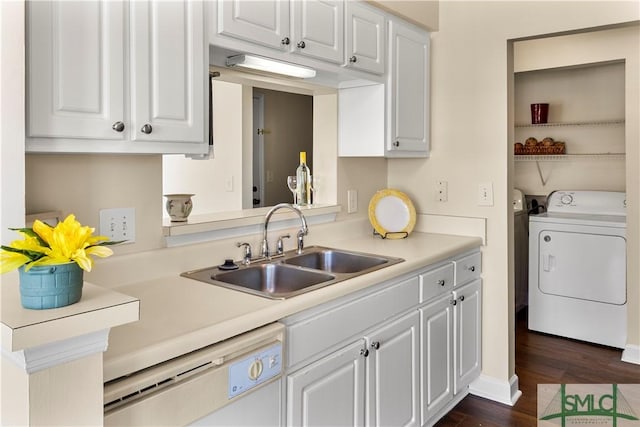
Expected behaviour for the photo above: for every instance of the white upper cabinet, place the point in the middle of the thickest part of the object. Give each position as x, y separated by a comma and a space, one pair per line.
263, 22
117, 77
318, 29
168, 71
75, 69
365, 38
408, 90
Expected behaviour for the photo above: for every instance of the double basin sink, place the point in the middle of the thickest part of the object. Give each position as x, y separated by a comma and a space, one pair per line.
293, 274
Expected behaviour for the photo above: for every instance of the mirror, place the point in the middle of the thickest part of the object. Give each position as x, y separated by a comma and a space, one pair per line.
282, 110
283, 127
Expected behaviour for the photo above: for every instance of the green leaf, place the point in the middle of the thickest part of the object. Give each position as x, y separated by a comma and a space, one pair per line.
32, 255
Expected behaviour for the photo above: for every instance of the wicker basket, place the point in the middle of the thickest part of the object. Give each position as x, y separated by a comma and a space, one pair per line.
556, 148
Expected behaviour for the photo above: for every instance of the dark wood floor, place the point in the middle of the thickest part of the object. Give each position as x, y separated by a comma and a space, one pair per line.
543, 359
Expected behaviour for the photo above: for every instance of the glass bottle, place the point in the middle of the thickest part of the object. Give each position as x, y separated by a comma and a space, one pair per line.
303, 181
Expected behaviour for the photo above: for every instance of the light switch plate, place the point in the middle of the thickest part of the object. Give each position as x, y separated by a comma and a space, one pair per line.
442, 191
485, 194
118, 224
352, 201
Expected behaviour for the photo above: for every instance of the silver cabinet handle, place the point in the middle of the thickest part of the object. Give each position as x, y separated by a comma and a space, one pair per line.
353, 59
441, 282
472, 268
453, 302
146, 129
364, 352
375, 345
286, 41
396, 144
301, 45
118, 126
461, 298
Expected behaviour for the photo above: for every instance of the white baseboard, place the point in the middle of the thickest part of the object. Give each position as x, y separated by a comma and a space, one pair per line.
499, 391
631, 354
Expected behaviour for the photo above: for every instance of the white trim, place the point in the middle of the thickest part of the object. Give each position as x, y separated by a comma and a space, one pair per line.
45, 356
631, 354
499, 391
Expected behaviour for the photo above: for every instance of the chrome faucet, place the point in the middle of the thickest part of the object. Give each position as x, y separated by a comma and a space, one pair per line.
301, 233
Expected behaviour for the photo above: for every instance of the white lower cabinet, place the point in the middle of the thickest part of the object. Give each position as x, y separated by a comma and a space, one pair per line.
436, 321
331, 391
450, 337
468, 333
401, 355
393, 373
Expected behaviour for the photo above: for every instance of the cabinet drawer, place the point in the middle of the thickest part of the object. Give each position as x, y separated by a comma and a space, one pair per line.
467, 268
319, 332
436, 282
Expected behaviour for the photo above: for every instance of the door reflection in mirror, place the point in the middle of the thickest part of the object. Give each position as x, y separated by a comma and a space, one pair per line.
283, 125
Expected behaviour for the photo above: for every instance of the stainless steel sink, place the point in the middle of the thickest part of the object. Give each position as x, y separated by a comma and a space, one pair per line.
292, 274
273, 279
336, 261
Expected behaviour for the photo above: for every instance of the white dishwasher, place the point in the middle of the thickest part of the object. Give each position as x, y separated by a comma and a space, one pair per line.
236, 382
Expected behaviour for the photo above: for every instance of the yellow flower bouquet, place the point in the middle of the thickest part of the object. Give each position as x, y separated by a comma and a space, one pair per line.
51, 261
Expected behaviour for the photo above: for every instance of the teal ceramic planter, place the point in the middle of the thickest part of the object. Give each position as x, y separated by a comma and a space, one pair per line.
51, 286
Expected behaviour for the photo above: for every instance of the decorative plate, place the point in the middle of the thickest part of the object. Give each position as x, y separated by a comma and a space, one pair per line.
392, 214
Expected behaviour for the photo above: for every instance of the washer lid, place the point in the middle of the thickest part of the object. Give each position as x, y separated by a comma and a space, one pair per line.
617, 221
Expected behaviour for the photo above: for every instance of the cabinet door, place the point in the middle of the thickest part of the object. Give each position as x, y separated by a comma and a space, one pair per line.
168, 82
393, 374
329, 392
318, 29
409, 89
436, 344
468, 334
365, 38
265, 22
75, 69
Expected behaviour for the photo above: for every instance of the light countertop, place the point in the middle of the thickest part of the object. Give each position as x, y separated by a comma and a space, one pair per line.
179, 315
98, 309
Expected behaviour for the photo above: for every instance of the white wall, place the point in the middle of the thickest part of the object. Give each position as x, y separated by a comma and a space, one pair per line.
207, 179
472, 134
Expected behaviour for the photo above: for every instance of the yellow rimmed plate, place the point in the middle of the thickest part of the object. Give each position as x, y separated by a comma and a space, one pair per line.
392, 214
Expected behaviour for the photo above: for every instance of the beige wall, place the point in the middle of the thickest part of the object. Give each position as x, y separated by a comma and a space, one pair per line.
575, 94
423, 13
472, 133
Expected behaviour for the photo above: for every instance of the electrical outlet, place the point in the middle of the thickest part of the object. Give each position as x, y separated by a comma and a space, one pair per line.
118, 224
442, 193
485, 194
352, 201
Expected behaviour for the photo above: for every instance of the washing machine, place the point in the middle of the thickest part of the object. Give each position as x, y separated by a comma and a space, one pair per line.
577, 267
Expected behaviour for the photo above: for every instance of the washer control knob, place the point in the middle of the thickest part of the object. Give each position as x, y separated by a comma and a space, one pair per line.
255, 369
566, 199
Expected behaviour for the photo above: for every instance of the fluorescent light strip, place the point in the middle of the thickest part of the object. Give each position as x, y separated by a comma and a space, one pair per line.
270, 65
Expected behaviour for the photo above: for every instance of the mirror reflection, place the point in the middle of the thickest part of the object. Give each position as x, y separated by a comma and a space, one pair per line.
283, 127
258, 133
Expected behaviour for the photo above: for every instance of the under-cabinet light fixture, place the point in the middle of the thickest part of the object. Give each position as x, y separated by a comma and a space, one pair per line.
270, 65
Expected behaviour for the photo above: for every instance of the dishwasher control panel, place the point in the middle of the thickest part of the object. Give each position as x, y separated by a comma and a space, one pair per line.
254, 369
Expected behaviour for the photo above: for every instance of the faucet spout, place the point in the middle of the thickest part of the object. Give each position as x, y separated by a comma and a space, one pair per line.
301, 233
